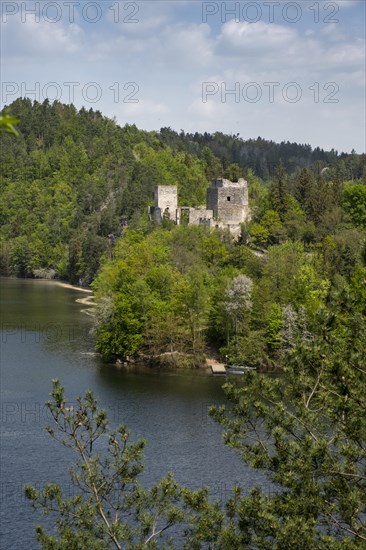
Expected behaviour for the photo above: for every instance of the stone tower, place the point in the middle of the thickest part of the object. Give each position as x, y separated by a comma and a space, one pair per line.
166, 203
229, 201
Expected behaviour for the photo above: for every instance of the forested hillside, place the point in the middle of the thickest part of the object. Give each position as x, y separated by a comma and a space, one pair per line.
75, 188
262, 156
73, 178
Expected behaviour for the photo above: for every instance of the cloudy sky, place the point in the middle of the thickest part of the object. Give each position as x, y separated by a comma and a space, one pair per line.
280, 70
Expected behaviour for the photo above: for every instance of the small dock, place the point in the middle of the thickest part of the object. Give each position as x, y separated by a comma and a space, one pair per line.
217, 368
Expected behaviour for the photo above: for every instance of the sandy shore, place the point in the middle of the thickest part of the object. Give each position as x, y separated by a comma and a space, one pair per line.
87, 301
79, 288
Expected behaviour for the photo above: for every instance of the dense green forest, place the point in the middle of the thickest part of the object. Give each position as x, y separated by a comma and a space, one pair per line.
75, 189
290, 294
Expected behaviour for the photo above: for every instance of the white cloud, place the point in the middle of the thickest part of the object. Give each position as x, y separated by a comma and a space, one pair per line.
171, 58
345, 3
33, 39
254, 38
209, 110
287, 49
182, 47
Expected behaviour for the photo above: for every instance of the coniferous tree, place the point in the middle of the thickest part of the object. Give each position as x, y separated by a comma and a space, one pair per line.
279, 190
304, 185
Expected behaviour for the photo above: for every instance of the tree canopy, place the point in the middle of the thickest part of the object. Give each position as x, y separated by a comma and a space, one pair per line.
305, 429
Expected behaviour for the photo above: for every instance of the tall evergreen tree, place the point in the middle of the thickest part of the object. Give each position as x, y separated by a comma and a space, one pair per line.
304, 186
279, 190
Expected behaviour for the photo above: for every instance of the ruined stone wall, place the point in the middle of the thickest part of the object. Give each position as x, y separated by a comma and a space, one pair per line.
227, 206
166, 199
199, 215
212, 200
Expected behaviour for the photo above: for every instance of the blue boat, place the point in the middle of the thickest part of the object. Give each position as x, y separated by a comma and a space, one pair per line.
238, 369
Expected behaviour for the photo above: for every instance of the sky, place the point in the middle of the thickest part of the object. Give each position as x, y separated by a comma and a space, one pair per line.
285, 71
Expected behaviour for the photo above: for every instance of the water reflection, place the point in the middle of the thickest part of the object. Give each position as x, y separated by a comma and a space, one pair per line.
45, 336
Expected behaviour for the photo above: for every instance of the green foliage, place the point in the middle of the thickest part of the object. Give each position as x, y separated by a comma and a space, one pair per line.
342, 252
274, 327
7, 123
233, 172
72, 179
109, 508
185, 171
155, 296
304, 188
354, 203
20, 256
279, 191
306, 431
283, 267
70, 184
259, 235
177, 290
272, 222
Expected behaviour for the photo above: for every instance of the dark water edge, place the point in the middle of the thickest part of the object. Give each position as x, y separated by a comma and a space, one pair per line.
44, 335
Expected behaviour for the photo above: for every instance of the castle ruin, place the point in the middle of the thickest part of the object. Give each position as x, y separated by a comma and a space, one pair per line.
227, 206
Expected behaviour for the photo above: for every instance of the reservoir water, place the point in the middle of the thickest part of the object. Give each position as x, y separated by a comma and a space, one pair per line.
45, 335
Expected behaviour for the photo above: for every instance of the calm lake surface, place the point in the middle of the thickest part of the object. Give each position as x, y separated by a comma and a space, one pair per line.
45, 335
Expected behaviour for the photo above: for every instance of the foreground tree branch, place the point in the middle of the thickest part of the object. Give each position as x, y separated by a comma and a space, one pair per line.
315, 456
110, 509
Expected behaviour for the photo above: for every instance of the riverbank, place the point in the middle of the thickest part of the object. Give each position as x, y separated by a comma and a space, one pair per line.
175, 361
72, 287
87, 301
168, 408
164, 362
207, 362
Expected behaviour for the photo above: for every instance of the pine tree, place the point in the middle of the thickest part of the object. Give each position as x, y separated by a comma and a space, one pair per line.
304, 188
279, 190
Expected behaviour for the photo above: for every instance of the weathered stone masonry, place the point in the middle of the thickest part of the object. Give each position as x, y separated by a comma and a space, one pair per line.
227, 206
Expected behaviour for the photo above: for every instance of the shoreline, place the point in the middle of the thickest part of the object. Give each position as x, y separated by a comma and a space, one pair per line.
87, 301
72, 287
211, 364
140, 364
